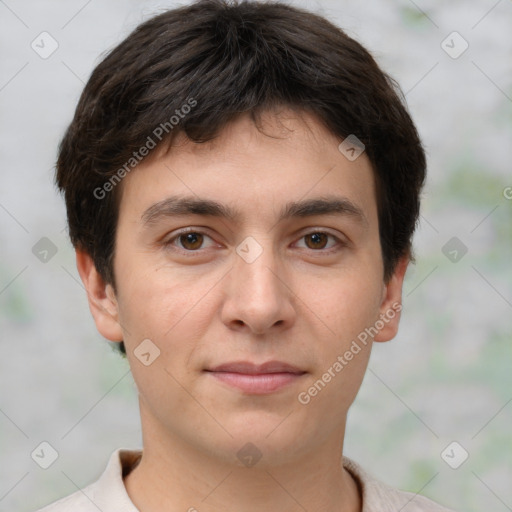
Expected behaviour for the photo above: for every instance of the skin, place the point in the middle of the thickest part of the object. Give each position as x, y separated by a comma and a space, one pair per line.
302, 301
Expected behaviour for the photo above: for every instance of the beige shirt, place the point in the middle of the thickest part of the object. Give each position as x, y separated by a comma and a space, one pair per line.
108, 493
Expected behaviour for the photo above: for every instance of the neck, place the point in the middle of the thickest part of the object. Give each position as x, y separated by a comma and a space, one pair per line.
175, 475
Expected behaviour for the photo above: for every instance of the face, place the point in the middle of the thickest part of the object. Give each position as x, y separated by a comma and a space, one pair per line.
254, 249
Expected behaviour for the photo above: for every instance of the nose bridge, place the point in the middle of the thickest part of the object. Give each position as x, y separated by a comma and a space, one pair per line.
257, 296
257, 265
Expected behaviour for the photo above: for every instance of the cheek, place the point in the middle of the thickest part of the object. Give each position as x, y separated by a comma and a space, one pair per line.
146, 289
165, 305
347, 308
347, 304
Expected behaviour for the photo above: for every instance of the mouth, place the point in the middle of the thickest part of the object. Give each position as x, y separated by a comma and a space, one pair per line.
256, 379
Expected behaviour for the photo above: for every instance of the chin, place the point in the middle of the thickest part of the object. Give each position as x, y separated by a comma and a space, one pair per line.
265, 437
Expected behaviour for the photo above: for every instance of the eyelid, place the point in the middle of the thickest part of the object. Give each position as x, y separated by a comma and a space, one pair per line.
169, 242
340, 239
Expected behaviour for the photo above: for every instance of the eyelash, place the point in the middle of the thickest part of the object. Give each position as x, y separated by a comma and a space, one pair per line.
168, 244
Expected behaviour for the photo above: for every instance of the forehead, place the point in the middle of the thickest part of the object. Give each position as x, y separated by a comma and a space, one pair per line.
285, 158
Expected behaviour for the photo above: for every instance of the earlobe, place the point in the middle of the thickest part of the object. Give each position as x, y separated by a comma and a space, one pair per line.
101, 298
391, 304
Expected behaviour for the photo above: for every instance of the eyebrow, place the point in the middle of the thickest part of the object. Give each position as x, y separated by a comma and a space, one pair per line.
175, 206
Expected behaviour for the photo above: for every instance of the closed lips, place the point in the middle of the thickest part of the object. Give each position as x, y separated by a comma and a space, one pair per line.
248, 368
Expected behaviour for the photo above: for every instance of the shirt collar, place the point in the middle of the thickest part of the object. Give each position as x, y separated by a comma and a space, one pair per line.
109, 492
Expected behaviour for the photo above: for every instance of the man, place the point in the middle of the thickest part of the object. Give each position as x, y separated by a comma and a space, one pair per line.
242, 186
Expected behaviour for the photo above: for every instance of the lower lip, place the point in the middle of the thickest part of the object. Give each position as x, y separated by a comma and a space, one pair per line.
258, 383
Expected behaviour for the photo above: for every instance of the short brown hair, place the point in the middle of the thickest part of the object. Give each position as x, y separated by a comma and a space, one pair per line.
232, 58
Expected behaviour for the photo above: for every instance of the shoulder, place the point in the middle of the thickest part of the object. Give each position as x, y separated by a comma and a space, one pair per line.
76, 502
107, 494
378, 497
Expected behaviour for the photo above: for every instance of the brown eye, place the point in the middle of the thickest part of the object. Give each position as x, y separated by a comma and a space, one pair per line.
321, 242
316, 240
191, 241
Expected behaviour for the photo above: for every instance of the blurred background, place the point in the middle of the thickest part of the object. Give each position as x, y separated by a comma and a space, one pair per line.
434, 414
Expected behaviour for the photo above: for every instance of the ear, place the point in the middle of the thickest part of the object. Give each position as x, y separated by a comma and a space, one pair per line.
101, 297
391, 304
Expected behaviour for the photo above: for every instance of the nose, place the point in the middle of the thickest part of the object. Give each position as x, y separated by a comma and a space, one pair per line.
258, 295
